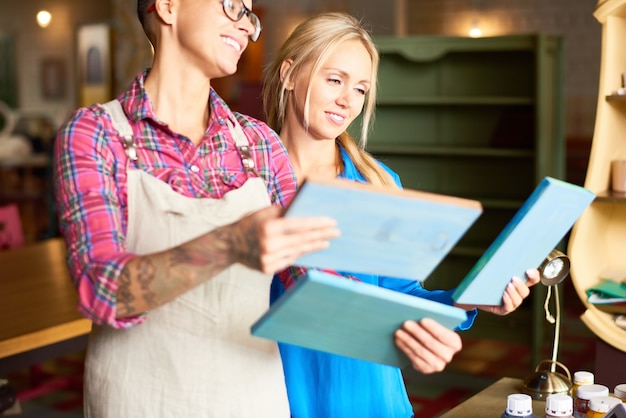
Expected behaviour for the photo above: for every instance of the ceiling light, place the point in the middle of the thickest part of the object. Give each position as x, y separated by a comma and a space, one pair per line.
43, 18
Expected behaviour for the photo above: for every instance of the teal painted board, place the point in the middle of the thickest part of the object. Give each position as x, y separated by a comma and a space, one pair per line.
355, 319
535, 230
384, 231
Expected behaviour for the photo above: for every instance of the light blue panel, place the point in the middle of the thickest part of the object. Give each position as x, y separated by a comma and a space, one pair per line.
397, 234
535, 229
355, 319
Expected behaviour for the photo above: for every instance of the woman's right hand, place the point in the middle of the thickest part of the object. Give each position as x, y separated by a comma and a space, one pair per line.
429, 345
269, 242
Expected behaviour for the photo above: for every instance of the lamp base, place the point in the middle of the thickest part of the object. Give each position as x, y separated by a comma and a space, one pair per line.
544, 382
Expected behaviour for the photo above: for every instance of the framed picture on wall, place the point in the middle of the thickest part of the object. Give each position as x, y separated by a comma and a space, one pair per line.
94, 71
53, 78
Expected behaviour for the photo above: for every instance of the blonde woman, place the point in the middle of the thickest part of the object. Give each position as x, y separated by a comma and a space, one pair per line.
322, 78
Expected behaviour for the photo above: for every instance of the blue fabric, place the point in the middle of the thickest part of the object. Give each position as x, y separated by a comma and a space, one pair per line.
323, 385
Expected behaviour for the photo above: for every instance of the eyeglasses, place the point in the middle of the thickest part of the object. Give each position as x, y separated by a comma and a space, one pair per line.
235, 13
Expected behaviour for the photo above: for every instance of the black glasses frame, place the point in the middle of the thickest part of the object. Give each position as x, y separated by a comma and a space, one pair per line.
239, 14
229, 6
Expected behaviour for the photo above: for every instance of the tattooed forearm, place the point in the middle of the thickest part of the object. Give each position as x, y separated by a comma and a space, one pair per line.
241, 248
124, 295
187, 256
145, 278
136, 292
150, 281
145, 273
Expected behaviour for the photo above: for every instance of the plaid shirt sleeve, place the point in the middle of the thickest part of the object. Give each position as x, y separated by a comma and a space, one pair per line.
91, 213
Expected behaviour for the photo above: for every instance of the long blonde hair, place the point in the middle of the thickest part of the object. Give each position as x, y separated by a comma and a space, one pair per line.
313, 41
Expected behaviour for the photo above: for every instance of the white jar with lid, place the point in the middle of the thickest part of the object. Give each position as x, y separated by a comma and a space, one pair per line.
600, 405
519, 405
580, 378
583, 394
620, 391
559, 405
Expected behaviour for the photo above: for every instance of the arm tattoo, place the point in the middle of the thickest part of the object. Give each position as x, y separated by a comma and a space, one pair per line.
151, 280
184, 256
124, 296
252, 249
145, 278
145, 273
244, 248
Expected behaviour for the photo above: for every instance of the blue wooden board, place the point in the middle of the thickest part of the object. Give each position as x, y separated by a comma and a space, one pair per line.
394, 233
535, 230
355, 319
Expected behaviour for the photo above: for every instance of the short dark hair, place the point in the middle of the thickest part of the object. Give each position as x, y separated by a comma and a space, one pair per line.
142, 6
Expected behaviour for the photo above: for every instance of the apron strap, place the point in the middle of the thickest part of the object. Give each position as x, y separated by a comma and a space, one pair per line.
242, 146
123, 128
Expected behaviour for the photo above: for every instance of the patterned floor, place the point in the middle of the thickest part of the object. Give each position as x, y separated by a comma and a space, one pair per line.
49, 390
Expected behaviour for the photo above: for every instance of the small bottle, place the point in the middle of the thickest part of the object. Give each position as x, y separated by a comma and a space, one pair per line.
519, 405
580, 378
620, 392
559, 405
583, 394
600, 405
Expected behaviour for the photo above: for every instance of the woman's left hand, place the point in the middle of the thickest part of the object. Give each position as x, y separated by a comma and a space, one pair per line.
516, 291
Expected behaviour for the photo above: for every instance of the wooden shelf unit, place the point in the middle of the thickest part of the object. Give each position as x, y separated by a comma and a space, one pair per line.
598, 242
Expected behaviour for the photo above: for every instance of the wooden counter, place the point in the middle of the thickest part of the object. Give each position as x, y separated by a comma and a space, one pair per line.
491, 401
37, 299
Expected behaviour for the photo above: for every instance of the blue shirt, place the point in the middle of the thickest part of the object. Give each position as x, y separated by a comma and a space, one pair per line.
323, 385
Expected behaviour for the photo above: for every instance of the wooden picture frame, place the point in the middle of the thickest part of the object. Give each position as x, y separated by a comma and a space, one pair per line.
95, 79
53, 78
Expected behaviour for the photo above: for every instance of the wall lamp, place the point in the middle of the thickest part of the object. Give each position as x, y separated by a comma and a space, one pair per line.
43, 18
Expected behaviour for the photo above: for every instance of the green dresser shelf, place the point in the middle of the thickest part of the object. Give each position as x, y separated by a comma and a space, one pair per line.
477, 118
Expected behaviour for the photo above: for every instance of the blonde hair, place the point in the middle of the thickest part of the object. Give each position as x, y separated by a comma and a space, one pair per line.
313, 41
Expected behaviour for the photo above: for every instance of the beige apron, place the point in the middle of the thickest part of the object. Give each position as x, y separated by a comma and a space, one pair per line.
194, 356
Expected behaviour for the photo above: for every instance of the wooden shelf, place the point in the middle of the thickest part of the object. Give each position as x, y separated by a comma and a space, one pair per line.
30, 161
453, 151
455, 101
611, 196
468, 251
616, 98
512, 204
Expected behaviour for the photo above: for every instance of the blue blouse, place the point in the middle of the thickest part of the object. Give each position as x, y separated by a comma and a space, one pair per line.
323, 385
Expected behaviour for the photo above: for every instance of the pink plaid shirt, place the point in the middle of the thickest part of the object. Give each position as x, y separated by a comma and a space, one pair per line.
92, 195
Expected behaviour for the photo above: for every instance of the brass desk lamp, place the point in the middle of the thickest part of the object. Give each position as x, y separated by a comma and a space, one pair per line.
553, 270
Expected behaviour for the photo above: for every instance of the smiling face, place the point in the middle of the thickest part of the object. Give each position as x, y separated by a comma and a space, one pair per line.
209, 39
336, 91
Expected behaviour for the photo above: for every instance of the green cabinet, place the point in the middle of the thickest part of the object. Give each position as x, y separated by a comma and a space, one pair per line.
477, 118
8, 75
